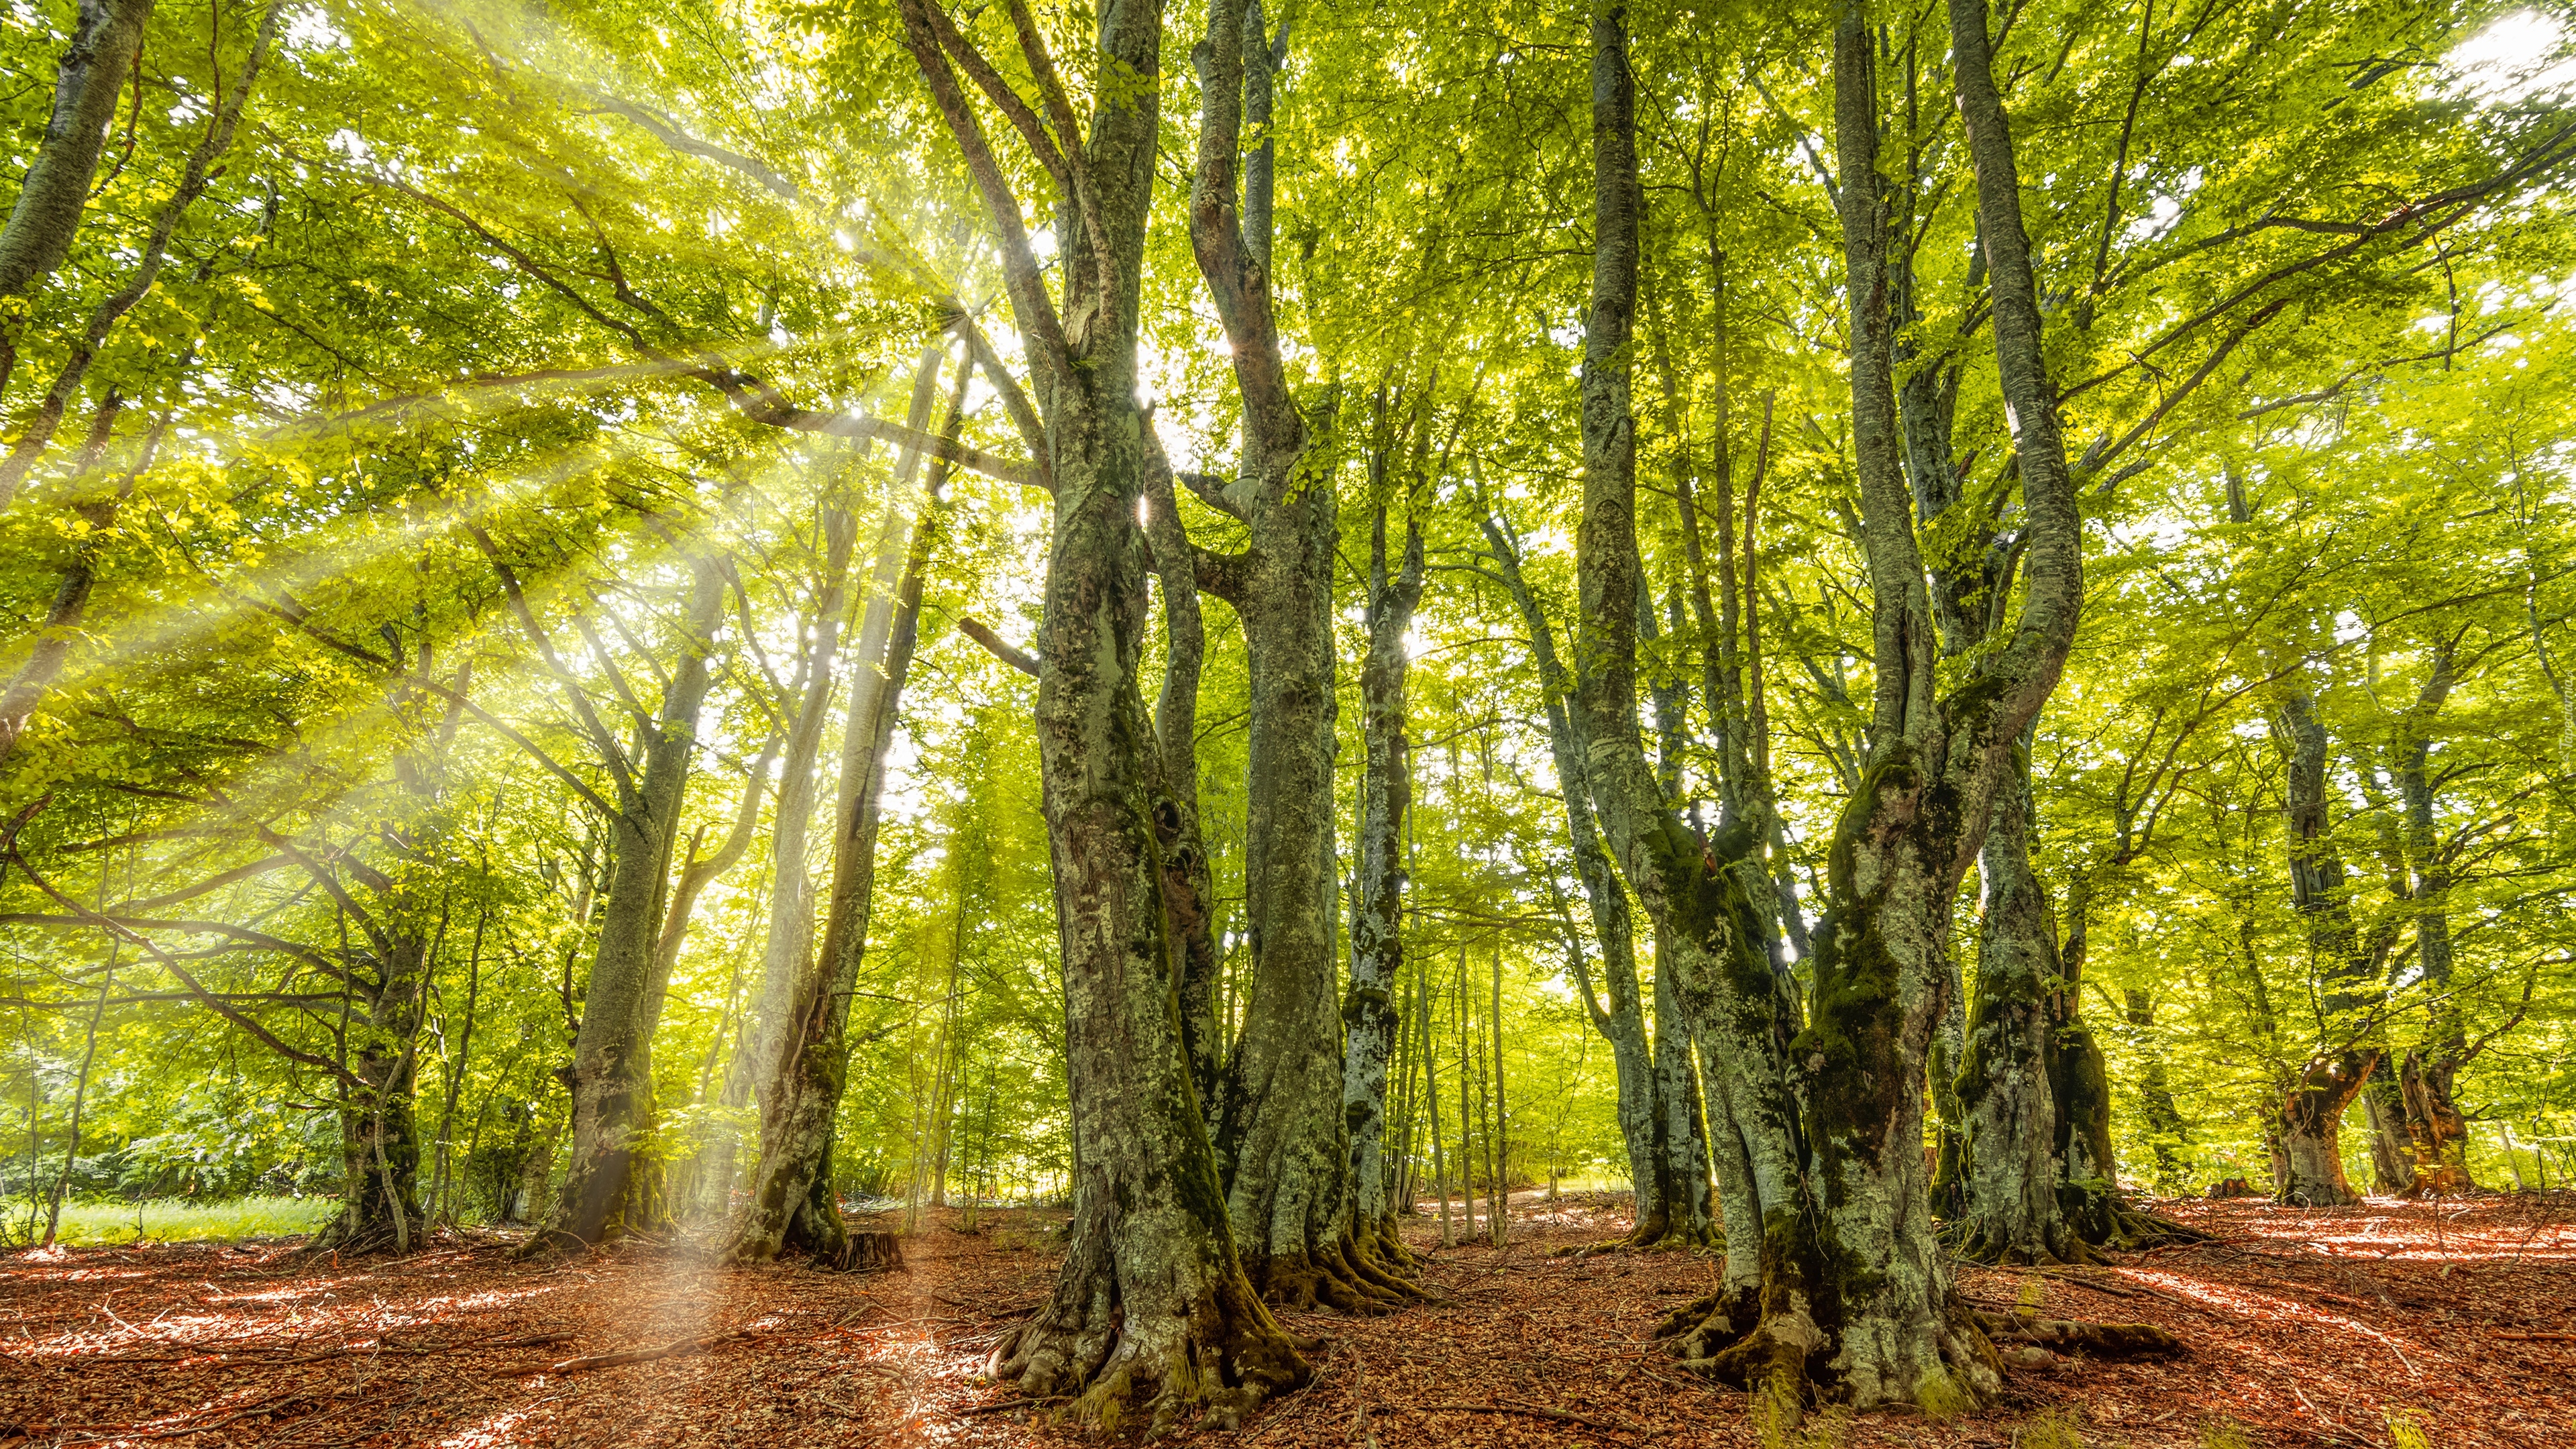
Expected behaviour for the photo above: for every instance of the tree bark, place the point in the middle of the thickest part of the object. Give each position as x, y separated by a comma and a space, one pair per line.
612, 1183
2008, 1075
1377, 912
105, 39
2436, 1133
1856, 1290
2309, 1120
1189, 889
1709, 939
1151, 1307
1280, 1135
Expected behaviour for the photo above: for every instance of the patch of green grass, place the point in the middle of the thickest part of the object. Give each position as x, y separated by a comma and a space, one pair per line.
177, 1220
2224, 1434
2053, 1429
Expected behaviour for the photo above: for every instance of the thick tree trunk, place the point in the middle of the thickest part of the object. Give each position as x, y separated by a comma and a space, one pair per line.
1151, 1306
1280, 1133
2308, 1152
787, 953
1377, 909
612, 1183
2007, 1080
1280, 1124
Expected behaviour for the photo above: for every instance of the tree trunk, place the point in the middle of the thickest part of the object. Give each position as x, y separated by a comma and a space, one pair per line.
87, 84
1658, 1112
2157, 1108
2007, 1078
2308, 1160
1151, 1306
2392, 1146
793, 1206
611, 1183
2436, 1132
2310, 1116
1281, 1140
1855, 1289
1189, 889
1377, 912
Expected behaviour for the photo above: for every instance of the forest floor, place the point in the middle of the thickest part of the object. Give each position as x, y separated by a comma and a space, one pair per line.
2304, 1327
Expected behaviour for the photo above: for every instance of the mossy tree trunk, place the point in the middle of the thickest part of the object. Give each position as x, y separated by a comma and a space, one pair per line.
2008, 1078
1369, 1013
1151, 1307
1189, 889
1281, 1138
1853, 1290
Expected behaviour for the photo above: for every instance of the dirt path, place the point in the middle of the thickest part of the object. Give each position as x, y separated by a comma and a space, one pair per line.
2305, 1328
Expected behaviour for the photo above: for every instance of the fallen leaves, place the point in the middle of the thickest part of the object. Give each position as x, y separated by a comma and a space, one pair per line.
2294, 1337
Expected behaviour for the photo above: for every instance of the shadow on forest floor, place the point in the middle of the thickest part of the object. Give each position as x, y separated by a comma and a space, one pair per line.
2305, 1327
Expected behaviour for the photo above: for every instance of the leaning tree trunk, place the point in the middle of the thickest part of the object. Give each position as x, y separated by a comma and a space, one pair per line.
47, 215
1377, 912
612, 1183
793, 1206
1151, 1306
1658, 1084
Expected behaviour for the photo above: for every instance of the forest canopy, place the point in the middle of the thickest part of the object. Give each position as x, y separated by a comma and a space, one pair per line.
1898, 628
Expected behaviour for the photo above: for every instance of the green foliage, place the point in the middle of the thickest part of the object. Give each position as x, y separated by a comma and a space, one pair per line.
481, 286
172, 1220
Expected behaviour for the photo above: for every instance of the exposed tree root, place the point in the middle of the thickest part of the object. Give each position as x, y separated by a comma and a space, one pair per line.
1381, 1241
2091, 1223
2062, 1335
1769, 1344
2104, 1220
1218, 1357
1343, 1276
